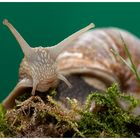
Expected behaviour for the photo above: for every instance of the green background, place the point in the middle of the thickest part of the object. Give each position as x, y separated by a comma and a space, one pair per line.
46, 24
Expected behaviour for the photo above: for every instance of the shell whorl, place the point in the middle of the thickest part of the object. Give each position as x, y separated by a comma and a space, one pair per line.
91, 54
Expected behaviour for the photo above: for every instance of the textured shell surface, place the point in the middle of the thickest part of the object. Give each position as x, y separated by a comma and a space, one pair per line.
91, 54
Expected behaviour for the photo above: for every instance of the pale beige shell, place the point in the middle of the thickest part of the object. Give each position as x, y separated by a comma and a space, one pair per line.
91, 56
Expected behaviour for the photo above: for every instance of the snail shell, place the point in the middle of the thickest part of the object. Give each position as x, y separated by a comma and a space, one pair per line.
91, 56
92, 66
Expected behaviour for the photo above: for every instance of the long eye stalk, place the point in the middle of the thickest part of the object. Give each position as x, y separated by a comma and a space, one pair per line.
24, 45
57, 49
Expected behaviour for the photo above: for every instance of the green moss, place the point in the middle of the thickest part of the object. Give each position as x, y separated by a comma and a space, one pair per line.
4, 127
110, 120
45, 117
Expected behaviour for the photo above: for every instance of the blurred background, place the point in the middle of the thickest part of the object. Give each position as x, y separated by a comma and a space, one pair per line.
45, 24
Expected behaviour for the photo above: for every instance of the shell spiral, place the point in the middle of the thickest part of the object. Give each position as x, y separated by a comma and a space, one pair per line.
91, 55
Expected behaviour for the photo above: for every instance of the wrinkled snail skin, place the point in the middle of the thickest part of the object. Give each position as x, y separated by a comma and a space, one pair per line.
38, 69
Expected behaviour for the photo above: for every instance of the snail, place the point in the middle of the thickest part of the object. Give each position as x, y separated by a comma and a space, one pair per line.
85, 58
38, 68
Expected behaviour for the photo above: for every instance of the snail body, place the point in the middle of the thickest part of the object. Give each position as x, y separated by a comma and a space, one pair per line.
38, 69
86, 54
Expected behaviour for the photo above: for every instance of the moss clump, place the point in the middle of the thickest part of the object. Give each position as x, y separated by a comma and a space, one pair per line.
5, 130
100, 116
110, 120
37, 118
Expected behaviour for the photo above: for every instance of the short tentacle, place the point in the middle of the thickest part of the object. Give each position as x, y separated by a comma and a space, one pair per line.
61, 77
